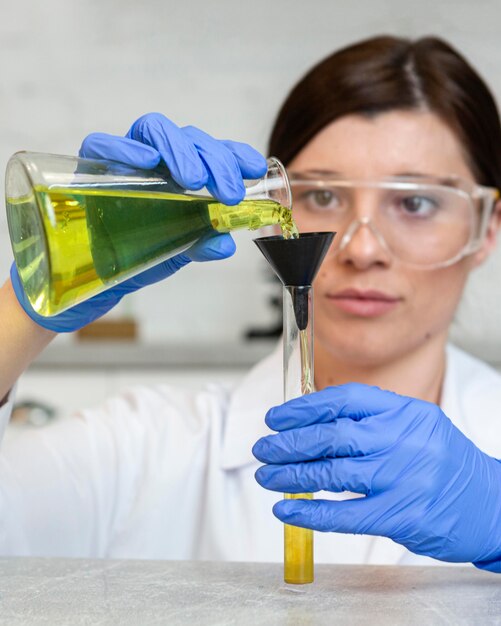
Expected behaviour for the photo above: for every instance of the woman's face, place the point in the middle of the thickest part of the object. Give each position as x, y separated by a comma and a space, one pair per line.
370, 309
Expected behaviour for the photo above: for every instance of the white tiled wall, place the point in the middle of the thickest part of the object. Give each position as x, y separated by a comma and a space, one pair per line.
69, 67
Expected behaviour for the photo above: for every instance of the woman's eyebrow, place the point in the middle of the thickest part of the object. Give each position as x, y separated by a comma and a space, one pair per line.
450, 180
324, 172
415, 174
316, 172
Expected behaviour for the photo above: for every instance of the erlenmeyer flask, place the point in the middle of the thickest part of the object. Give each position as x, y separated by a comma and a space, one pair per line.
79, 226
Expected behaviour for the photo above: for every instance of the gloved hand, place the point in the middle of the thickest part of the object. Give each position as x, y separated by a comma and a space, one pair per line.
426, 485
195, 160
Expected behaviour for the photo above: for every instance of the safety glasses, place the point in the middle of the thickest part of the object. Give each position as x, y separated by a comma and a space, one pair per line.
424, 222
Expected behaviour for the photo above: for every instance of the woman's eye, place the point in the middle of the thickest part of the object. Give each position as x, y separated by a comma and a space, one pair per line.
420, 206
321, 198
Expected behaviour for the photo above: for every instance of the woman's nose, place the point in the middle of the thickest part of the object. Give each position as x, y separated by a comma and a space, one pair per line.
361, 245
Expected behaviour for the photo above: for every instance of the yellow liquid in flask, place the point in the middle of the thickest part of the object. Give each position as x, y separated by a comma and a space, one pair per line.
71, 243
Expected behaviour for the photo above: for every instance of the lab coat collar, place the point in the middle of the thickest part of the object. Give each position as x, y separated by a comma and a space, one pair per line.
261, 389
449, 400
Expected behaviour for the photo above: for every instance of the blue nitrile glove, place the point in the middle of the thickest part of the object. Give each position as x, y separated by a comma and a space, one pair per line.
427, 486
195, 160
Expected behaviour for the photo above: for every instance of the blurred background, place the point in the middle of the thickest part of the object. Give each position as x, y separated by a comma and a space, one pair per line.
70, 67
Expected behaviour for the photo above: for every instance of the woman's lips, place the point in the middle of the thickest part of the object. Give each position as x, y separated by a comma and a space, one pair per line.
364, 303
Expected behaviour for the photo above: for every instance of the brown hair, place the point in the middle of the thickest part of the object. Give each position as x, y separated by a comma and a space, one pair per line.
387, 73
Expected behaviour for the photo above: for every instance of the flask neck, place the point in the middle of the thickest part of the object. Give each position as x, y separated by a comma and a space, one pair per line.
249, 214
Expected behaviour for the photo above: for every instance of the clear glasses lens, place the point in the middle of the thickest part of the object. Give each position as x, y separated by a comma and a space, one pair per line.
421, 224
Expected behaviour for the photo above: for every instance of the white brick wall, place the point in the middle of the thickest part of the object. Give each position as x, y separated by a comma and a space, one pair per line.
69, 67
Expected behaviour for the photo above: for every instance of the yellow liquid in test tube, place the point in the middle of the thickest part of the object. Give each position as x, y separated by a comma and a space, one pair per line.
298, 542
298, 549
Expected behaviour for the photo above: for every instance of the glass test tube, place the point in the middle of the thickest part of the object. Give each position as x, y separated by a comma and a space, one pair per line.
298, 380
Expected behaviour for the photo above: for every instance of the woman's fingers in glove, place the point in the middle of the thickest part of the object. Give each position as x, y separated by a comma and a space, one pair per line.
194, 158
176, 149
212, 248
225, 180
357, 516
344, 474
121, 149
353, 400
340, 438
252, 163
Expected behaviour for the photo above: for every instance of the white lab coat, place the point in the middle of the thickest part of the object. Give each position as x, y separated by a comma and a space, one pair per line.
163, 473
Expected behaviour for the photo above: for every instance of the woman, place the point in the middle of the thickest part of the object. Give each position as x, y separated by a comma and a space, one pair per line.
397, 146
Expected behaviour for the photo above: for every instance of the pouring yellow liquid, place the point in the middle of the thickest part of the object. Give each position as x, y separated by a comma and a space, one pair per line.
82, 239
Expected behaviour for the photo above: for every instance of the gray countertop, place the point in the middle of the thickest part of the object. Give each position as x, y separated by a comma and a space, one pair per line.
73, 591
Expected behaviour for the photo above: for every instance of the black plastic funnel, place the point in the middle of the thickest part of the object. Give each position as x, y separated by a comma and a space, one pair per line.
296, 263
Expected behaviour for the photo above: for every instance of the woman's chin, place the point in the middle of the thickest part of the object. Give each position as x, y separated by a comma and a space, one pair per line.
362, 352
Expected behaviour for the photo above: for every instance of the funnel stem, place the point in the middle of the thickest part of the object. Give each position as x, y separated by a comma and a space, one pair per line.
298, 380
